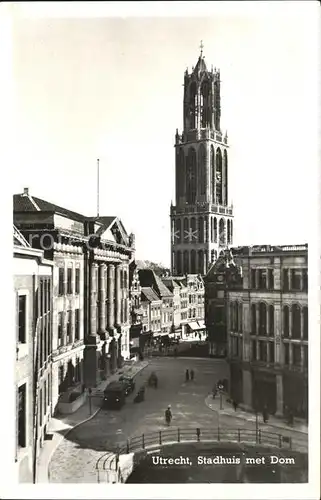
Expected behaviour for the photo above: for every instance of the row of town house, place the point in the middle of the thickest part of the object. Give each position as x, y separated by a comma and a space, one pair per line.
256, 313
71, 280
165, 307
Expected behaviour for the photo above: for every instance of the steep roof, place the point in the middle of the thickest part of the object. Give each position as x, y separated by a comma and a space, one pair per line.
26, 203
200, 65
149, 294
148, 278
170, 283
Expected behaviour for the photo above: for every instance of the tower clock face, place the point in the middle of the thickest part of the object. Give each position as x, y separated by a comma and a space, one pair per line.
220, 278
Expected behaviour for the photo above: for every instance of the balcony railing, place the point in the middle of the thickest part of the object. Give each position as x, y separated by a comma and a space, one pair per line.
200, 134
202, 207
110, 460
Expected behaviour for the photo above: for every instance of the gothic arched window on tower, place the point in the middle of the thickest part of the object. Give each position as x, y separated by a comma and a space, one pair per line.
200, 230
200, 261
228, 232
226, 178
179, 262
213, 174
215, 230
193, 262
180, 173
185, 258
219, 178
205, 104
222, 232
191, 180
202, 168
231, 230
193, 104
186, 230
178, 232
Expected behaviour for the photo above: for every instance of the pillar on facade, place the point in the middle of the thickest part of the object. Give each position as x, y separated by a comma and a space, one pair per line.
91, 370
102, 299
111, 298
279, 395
117, 298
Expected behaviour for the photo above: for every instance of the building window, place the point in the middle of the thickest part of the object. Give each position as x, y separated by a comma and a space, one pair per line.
240, 317
61, 380
271, 320
22, 416
285, 280
271, 279
22, 323
77, 325
305, 324
68, 327
253, 349
60, 329
253, 318
286, 348
262, 319
45, 396
295, 279
305, 280
286, 323
262, 351
296, 321
262, 279
69, 280
78, 371
296, 354
61, 279
306, 357
271, 353
77, 280
253, 278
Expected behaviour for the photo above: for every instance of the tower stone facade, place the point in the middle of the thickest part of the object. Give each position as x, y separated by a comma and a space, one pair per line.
201, 219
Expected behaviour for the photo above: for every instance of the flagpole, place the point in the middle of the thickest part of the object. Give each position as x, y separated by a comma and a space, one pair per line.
97, 187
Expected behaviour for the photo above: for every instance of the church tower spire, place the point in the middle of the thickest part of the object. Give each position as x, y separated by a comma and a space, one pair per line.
201, 219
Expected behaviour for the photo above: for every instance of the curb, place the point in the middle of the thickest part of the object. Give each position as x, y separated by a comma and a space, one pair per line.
78, 425
271, 425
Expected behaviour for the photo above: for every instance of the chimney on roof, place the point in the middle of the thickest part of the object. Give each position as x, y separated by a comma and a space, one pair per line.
26, 191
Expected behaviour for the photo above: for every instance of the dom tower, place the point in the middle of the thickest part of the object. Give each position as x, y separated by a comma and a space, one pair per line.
201, 220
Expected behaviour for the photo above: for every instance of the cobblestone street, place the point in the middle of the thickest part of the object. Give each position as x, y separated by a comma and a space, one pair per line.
75, 459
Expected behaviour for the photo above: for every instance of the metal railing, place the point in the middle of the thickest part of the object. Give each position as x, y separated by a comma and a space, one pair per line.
110, 460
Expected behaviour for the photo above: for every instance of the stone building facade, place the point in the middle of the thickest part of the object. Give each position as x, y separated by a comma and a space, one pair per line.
33, 305
90, 290
266, 323
201, 219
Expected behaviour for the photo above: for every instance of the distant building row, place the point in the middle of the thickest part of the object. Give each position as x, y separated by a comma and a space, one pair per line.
165, 306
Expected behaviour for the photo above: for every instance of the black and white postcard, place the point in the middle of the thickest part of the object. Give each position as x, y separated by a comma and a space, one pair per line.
162, 302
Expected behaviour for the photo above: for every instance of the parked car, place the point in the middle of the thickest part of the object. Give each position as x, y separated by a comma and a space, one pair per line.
128, 383
114, 395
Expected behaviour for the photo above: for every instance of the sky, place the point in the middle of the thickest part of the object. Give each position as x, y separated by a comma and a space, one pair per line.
111, 88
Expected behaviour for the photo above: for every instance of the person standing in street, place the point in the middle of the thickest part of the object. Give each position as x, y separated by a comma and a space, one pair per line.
192, 374
168, 415
187, 375
235, 405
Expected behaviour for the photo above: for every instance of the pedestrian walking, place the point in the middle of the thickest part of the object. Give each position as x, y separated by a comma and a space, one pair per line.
235, 405
192, 374
187, 376
214, 391
265, 414
168, 415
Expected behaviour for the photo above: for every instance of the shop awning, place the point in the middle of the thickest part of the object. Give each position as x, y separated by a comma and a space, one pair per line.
201, 324
193, 326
